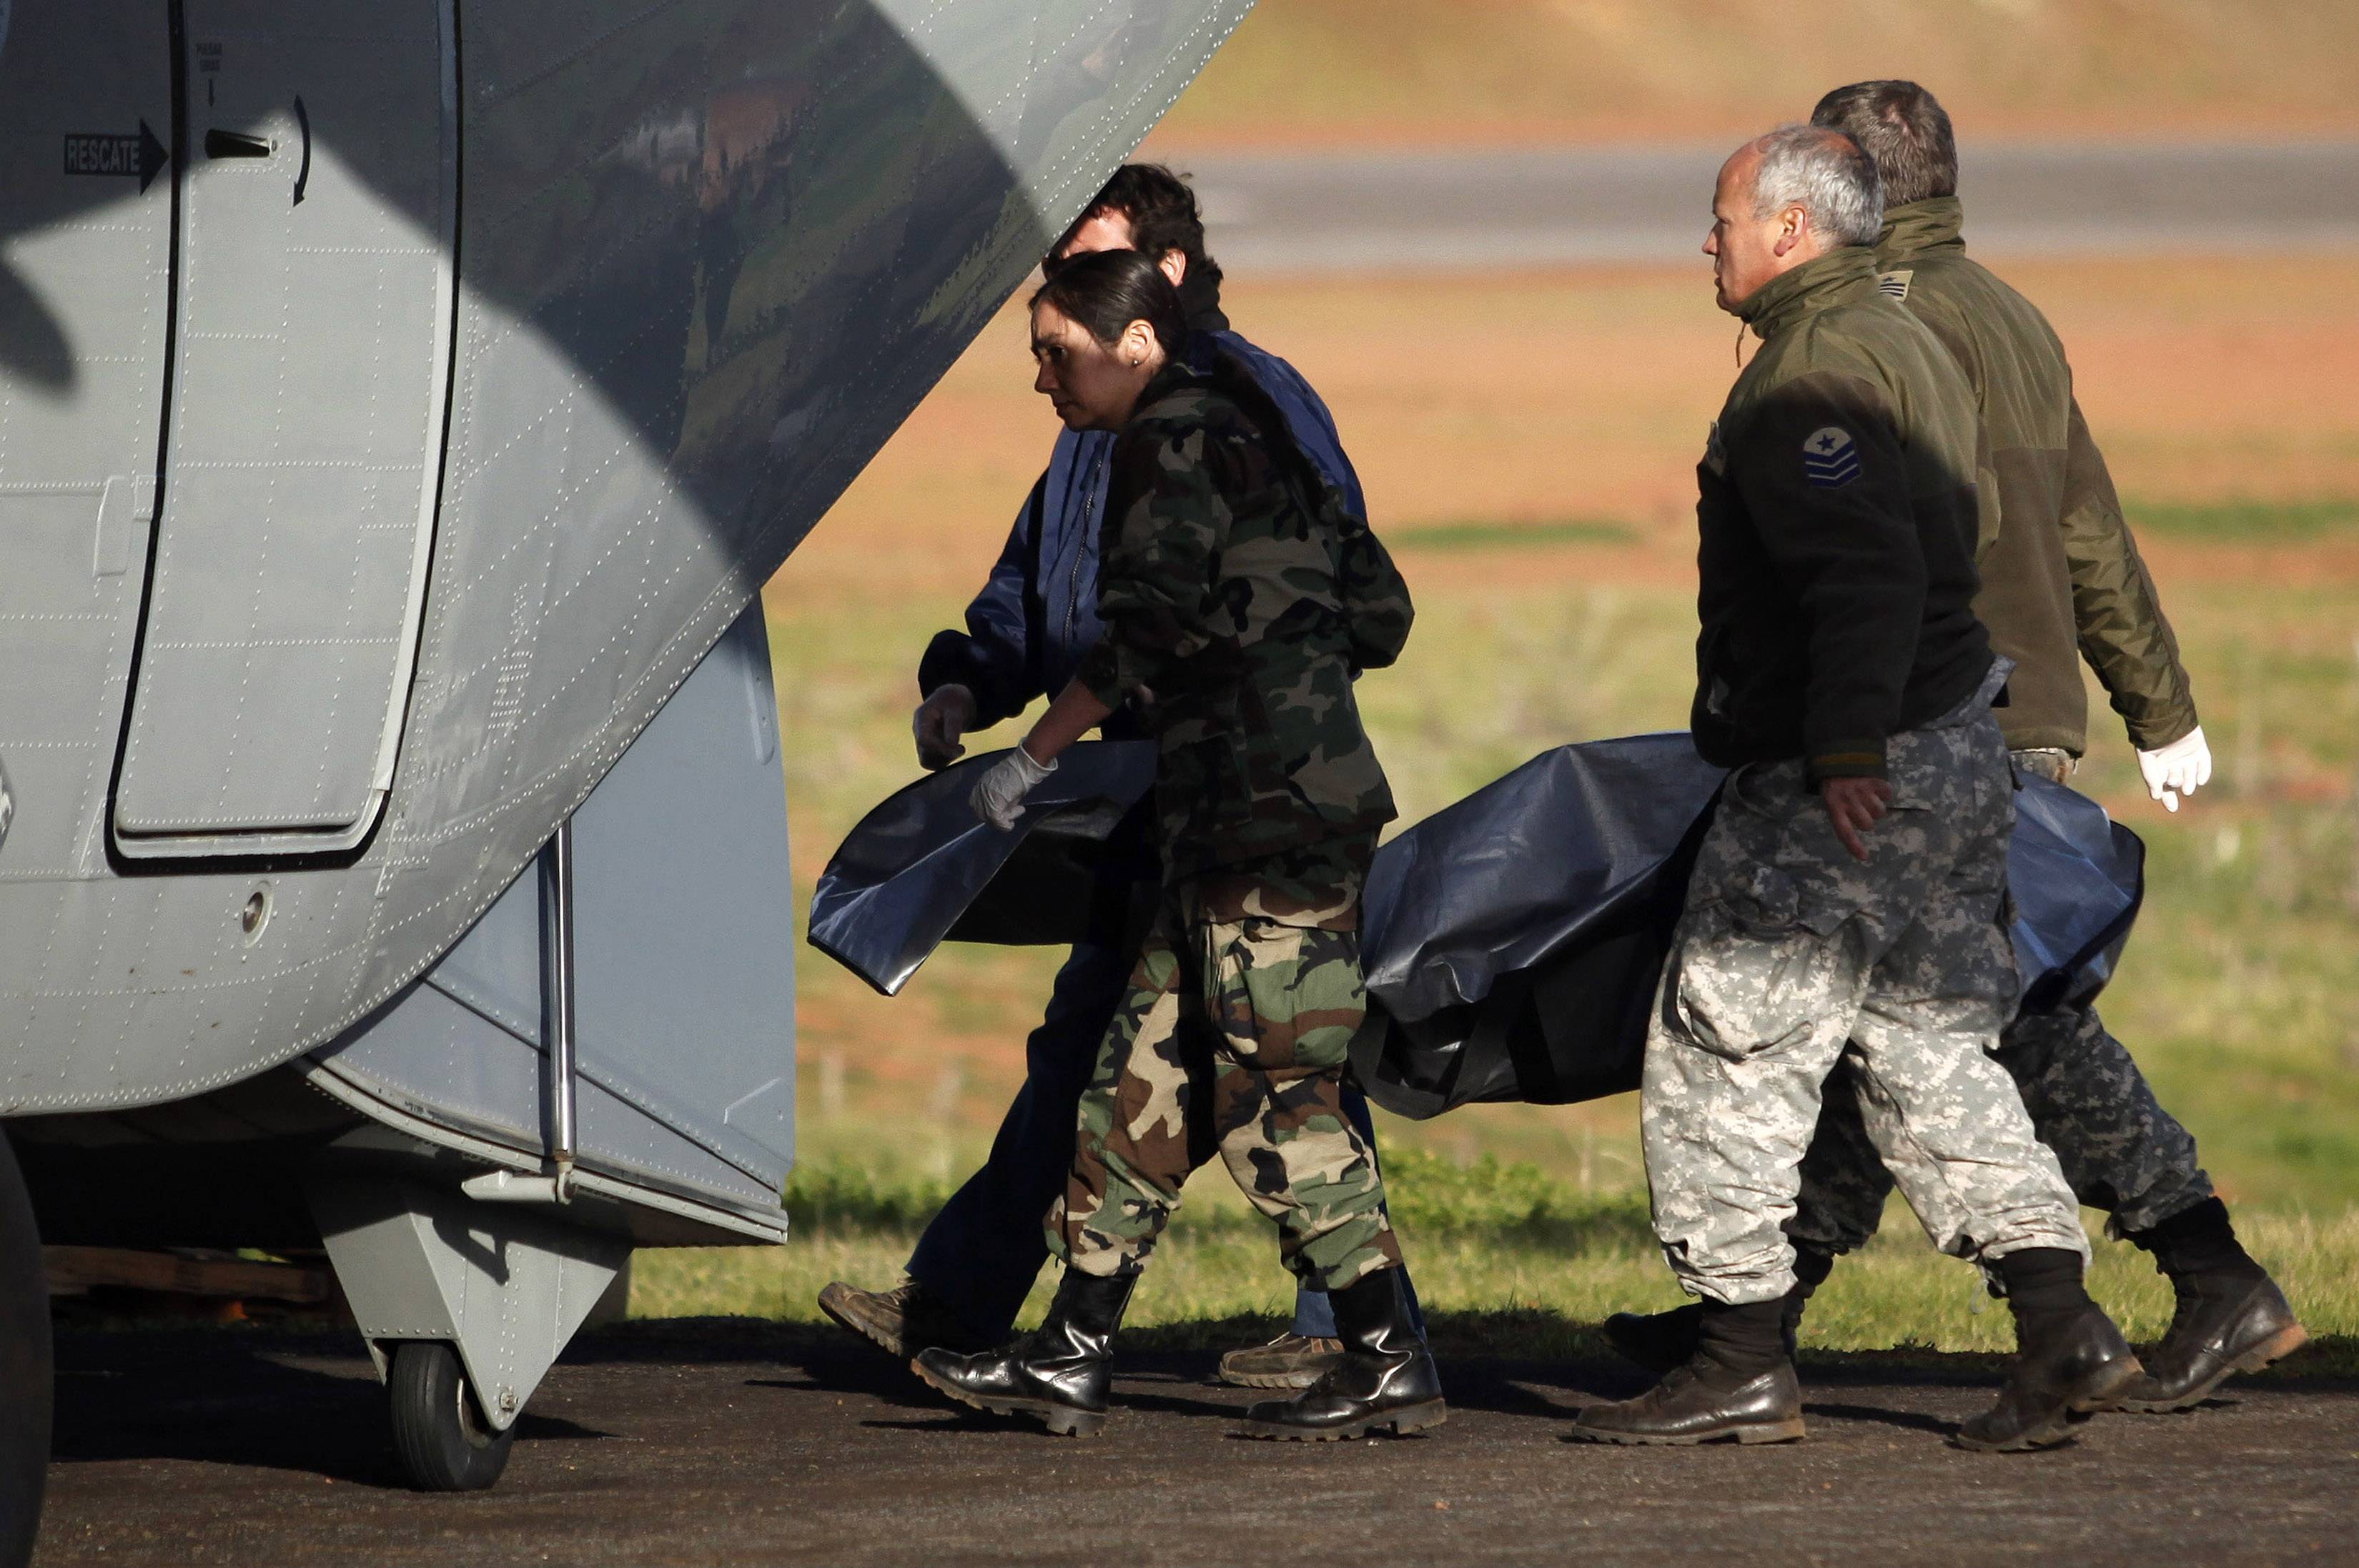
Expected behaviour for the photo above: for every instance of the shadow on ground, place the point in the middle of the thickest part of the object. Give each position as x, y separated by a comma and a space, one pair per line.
739, 1441
308, 1401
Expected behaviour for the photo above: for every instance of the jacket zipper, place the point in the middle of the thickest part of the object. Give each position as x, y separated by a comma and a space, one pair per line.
1073, 577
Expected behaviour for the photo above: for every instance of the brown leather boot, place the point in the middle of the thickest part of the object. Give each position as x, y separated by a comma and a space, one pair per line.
1290, 1361
2231, 1317
1682, 1409
1739, 1387
2070, 1361
2222, 1327
901, 1321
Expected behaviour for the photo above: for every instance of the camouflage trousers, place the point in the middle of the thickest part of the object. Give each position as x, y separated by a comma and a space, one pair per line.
1231, 1041
2119, 1149
1788, 950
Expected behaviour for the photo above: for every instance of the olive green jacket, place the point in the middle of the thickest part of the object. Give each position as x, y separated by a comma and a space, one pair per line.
2062, 576
1835, 520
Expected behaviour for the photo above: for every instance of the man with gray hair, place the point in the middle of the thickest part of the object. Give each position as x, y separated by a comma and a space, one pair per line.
2061, 581
1850, 887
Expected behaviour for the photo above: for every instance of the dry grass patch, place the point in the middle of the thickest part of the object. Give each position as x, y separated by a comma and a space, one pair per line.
1416, 72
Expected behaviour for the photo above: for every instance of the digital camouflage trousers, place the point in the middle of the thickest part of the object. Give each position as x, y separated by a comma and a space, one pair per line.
2119, 1149
1231, 1041
1789, 949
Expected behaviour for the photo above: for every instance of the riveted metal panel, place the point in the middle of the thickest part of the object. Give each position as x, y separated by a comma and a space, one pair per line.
304, 436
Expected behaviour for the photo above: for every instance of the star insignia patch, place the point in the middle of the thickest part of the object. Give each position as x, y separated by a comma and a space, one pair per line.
1830, 458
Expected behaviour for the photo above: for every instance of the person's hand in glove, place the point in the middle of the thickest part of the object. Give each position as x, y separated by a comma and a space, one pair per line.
2180, 768
998, 796
938, 722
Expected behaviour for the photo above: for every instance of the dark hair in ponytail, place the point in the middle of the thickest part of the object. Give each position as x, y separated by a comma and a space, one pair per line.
1105, 291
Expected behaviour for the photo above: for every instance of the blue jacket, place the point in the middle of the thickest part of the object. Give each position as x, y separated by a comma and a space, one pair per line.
1027, 631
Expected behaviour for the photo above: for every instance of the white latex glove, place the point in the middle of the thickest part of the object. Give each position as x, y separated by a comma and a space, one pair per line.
2180, 768
998, 796
938, 722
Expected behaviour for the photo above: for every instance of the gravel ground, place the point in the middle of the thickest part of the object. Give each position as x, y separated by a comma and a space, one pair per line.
740, 1443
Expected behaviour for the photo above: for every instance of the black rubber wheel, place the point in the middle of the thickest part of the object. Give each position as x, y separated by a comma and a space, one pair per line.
26, 1376
438, 1430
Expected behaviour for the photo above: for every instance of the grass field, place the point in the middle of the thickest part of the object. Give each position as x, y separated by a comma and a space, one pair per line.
1528, 445
1420, 71
1509, 1261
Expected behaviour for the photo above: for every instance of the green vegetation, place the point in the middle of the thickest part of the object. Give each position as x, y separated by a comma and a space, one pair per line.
1508, 536
2245, 522
1510, 1261
2236, 993
1526, 1223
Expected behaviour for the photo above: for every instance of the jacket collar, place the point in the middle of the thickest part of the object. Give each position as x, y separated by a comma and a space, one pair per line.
1199, 301
1934, 223
1834, 278
1180, 369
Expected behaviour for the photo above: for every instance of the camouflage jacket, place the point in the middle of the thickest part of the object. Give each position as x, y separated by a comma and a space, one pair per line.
1038, 613
2062, 576
1836, 520
1242, 593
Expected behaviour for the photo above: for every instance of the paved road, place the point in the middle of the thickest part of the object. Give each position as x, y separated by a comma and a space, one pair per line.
1394, 210
744, 1446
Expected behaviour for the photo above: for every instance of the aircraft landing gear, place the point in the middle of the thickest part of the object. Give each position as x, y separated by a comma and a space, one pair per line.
463, 1302
439, 1429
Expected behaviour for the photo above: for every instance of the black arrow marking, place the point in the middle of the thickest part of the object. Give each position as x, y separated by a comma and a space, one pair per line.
106, 155
302, 174
152, 155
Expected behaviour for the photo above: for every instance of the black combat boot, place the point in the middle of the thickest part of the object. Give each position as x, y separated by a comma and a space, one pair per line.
2231, 1315
1662, 1340
1738, 1386
2070, 1360
1058, 1373
1386, 1376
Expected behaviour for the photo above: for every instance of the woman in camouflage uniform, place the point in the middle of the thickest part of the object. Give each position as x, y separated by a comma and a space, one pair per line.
1240, 599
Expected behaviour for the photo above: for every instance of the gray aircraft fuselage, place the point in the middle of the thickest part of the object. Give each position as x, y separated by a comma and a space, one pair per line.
399, 401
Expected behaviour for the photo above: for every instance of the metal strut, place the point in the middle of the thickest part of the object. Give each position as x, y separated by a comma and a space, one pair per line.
561, 1073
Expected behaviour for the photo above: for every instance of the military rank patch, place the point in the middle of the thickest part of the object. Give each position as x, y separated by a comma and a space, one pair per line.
1896, 283
1830, 458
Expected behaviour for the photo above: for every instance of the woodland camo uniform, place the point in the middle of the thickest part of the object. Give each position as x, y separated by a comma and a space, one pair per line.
1240, 597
